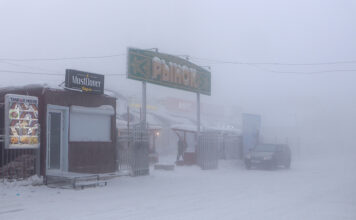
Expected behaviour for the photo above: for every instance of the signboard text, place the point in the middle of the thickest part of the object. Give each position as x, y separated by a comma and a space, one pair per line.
168, 70
84, 81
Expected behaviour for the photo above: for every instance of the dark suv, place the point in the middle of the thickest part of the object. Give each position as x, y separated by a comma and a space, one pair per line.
268, 156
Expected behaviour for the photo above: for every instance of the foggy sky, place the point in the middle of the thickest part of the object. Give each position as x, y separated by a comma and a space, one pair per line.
247, 31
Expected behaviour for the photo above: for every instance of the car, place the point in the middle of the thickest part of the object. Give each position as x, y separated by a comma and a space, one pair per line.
268, 156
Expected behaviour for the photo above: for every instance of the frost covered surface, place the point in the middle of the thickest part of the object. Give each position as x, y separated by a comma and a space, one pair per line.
103, 109
316, 188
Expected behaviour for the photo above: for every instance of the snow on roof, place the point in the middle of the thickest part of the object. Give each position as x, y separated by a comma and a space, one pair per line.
186, 127
47, 86
26, 86
121, 123
169, 119
227, 130
152, 121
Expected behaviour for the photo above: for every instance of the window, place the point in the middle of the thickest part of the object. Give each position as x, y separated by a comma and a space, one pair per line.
91, 124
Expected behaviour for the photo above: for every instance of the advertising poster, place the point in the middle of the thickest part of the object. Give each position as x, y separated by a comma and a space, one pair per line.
21, 122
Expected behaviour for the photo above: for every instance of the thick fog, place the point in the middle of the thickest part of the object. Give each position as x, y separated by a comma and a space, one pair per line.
292, 62
317, 99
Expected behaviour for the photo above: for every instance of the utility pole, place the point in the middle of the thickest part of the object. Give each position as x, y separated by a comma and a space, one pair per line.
144, 99
198, 110
198, 114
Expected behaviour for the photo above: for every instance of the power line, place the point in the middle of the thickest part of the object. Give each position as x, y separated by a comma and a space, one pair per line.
48, 74
264, 69
211, 62
61, 58
257, 65
33, 73
216, 61
275, 63
307, 73
300, 72
115, 74
25, 66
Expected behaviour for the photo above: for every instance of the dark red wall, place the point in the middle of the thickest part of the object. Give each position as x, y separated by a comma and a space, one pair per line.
84, 157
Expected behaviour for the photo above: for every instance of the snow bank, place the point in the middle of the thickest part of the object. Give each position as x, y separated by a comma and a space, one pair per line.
311, 190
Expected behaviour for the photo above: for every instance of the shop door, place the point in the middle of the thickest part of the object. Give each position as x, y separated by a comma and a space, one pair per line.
57, 139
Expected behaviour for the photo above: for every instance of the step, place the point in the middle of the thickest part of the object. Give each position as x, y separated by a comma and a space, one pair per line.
86, 184
164, 166
75, 182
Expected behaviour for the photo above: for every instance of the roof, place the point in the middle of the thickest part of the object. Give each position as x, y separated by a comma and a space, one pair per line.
31, 87
186, 127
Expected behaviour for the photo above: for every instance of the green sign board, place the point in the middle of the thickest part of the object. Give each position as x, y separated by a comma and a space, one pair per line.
167, 70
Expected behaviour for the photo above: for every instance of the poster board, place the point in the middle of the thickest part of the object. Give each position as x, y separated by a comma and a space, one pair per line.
22, 127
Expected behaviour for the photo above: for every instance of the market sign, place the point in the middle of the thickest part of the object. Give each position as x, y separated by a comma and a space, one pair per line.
168, 70
84, 81
21, 122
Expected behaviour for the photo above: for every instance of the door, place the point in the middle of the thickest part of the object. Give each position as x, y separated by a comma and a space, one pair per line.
57, 139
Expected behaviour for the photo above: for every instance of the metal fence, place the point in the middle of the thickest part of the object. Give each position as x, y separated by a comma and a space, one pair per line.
16, 164
133, 150
208, 150
214, 146
230, 147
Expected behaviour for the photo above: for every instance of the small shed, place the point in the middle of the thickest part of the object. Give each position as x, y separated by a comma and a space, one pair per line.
77, 131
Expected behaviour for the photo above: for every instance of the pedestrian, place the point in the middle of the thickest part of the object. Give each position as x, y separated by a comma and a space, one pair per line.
181, 147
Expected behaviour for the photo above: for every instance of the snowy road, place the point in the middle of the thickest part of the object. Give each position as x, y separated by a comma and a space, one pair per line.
312, 189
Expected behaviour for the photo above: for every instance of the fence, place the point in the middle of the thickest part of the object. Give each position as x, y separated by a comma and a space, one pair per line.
208, 150
16, 164
231, 147
133, 150
214, 146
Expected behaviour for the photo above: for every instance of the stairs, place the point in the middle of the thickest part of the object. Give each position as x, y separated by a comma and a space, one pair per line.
72, 181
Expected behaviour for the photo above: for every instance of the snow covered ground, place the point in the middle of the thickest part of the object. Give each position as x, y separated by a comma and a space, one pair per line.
314, 188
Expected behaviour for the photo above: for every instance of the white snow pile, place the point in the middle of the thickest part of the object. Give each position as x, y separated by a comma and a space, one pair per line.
313, 189
31, 181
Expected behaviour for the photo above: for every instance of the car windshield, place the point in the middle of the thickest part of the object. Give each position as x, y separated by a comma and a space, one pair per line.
265, 148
